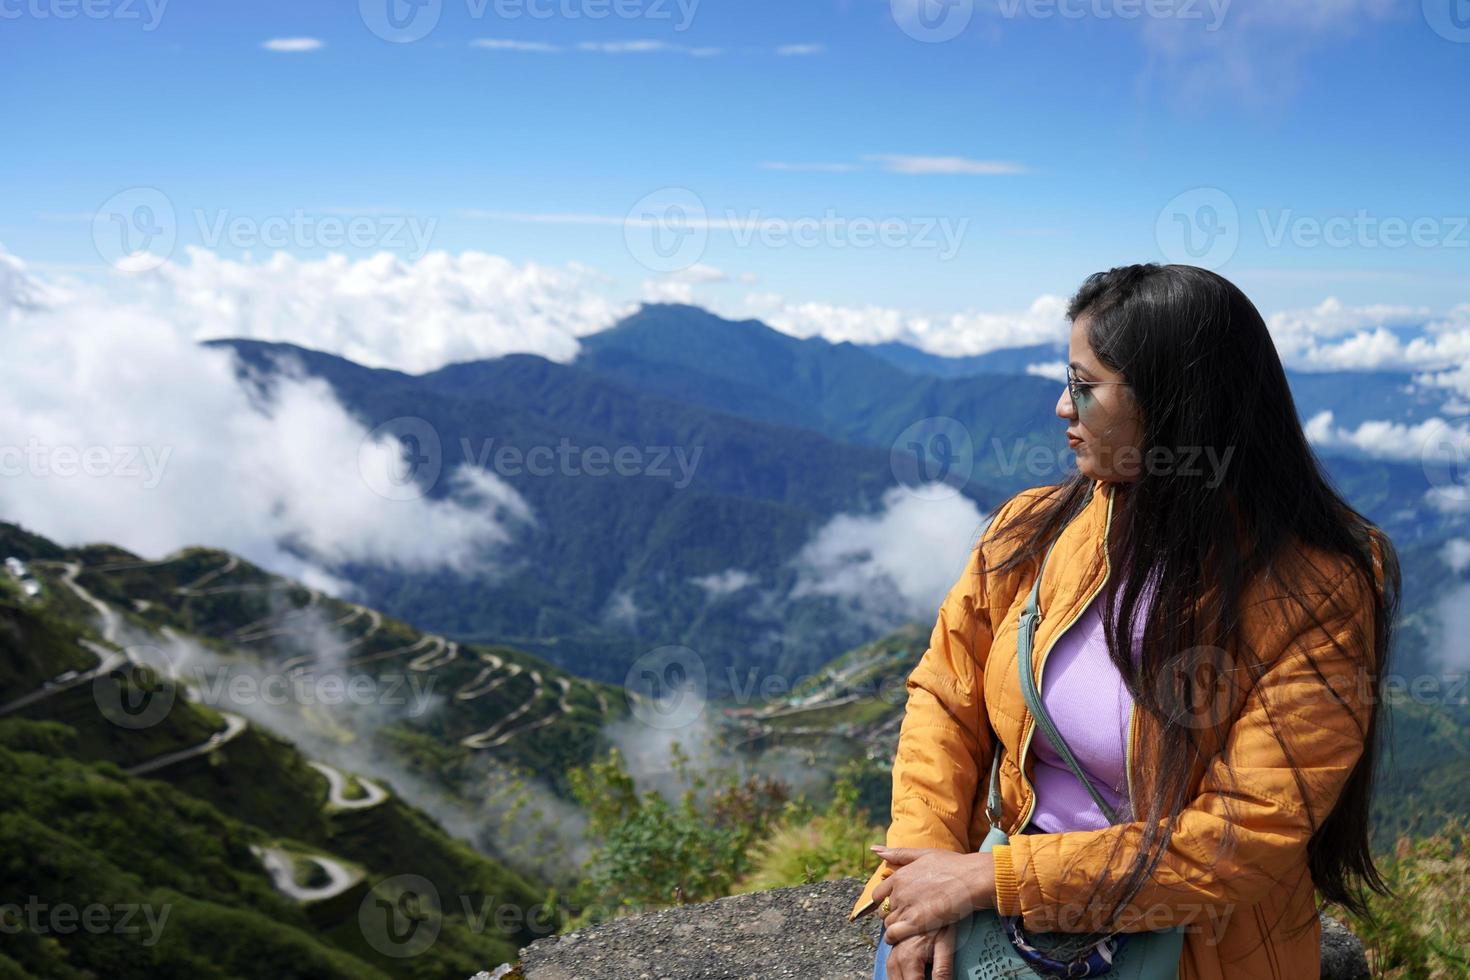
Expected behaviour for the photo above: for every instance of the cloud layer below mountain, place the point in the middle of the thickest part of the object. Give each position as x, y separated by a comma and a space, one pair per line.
122, 428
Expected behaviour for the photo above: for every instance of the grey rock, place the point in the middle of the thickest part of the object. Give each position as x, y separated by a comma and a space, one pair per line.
789, 932
1342, 953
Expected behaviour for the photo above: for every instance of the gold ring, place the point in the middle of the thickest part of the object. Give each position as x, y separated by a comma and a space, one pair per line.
885, 908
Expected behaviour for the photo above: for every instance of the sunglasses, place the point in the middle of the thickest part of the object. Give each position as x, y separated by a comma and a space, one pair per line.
1081, 391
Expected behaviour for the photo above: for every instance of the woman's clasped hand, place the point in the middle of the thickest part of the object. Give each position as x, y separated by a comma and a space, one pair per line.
931, 890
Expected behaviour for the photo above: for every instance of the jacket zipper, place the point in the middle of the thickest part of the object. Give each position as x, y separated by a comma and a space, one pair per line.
1041, 671
1128, 756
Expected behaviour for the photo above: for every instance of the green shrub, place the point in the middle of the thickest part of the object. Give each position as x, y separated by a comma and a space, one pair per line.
1422, 932
807, 847
651, 852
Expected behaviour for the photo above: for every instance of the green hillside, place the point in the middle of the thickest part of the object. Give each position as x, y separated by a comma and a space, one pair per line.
242, 624
122, 788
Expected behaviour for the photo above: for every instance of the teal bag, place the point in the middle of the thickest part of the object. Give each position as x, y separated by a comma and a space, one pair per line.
984, 947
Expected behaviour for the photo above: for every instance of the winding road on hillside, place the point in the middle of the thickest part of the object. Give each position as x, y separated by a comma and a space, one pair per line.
430, 653
877, 736
337, 790
235, 725
109, 660
281, 865
488, 679
436, 652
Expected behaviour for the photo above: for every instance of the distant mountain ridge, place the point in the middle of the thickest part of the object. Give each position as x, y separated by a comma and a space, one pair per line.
846, 391
792, 434
760, 493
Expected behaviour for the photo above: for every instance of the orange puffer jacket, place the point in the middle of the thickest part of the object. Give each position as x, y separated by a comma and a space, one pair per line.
1235, 871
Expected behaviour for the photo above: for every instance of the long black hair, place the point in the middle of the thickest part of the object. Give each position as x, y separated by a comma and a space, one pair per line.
1204, 374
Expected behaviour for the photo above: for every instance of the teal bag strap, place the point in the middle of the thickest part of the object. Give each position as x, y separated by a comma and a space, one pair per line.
992, 799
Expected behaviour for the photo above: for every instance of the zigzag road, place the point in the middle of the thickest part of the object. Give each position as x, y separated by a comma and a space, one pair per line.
281, 865
337, 790
436, 652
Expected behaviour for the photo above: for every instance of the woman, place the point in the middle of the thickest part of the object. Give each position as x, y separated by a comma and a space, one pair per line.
1226, 694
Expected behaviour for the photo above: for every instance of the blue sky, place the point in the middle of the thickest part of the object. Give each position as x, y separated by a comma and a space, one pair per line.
1048, 145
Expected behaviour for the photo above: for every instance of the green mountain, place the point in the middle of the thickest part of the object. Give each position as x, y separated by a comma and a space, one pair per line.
141, 775
844, 390
613, 565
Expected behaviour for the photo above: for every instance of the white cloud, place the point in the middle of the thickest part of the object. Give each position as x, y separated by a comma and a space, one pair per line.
1331, 318
621, 610
418, 315
505, 44
800, 50
949, 335
386, 312
1254, 51
1456, 554
924, 165
292, 45
681, 286
645, 47
1051, 370
897, 563
719, 584
1453, 609
668, 290
19, 292
1388, 440
121, 428
701, 274
1335, 337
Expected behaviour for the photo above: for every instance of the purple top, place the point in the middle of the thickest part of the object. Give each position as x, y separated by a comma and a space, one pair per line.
1092, 709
